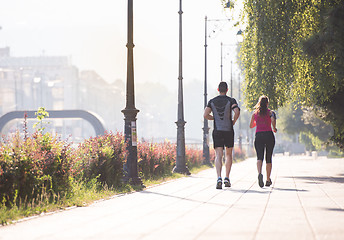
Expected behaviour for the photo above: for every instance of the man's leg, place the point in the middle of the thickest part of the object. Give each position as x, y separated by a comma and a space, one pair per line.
229, 161
218, 160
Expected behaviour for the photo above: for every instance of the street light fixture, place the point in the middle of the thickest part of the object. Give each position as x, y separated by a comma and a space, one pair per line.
239, 36
180, 159
130, 112
206, 154
228, 4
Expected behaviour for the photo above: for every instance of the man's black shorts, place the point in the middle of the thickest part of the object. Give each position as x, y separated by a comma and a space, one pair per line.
223, 138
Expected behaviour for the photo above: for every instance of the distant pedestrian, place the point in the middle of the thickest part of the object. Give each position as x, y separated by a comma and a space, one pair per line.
262, 119
223, 133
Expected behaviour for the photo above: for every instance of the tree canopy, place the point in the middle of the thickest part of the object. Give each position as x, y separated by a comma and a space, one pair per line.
293, 51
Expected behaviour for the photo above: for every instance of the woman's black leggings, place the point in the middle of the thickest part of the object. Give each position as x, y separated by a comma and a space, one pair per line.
264, 141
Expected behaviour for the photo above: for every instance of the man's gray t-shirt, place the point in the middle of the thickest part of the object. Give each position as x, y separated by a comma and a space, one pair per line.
221, 107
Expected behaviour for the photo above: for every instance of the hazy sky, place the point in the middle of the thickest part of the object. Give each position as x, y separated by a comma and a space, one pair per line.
94, 34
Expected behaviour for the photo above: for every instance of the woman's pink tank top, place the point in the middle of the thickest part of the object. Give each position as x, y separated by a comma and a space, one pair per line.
263, 123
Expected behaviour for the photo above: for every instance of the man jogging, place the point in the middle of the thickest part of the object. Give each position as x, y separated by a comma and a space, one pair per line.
223, 134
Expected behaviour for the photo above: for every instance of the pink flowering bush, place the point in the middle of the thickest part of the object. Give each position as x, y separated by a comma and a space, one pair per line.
41, 163
155, 159
101, 157
33, 165
239, 154
193, 157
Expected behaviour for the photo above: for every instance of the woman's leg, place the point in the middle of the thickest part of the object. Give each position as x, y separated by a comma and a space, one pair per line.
268, 171
259, 146
269, 150
259, 165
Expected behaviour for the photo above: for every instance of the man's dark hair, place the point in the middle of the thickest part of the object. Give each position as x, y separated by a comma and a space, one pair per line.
223, 87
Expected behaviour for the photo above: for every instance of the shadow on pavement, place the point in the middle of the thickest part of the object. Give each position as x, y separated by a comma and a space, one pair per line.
183, 198
321, 179
248, 191
290, 189
335, 209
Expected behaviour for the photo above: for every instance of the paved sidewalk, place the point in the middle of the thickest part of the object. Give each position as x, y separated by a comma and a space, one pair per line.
306, 201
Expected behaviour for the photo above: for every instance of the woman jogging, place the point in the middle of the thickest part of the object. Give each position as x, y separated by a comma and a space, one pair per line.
262, 119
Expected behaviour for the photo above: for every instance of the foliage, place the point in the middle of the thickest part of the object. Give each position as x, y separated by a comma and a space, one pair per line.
41, 115
155, 160
280, 60
193, 157
239, 154
29, 167
101, 157
328, 43
42, 164
41, 171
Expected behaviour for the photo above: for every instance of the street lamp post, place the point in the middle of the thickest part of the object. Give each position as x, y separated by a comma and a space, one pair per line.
231, 77
130, 112
240, 136
221, 65
206, 154
239, 40
239, 36
180, 159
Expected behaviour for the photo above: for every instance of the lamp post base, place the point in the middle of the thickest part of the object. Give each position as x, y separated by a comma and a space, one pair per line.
181, 170
209, 164
135, 181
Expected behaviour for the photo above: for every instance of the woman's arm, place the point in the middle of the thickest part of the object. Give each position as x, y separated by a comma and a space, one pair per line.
207, 115
252, 123
273, 121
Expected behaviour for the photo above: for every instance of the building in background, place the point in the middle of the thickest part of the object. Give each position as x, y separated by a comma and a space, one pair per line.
27, 83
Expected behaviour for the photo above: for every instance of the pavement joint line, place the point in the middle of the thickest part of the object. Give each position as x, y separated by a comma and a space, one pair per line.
266, 205
263, 214
43, 214
163, 207
303, 208
327, 195
225, 212
300, 204
201, 203
185, 213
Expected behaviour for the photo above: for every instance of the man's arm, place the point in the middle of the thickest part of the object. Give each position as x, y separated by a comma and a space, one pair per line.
207, 114
236, 110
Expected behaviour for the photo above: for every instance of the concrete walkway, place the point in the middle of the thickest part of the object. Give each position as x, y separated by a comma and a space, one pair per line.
306, 201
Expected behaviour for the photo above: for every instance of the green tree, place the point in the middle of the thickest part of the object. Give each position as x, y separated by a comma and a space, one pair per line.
312, 131
282, 59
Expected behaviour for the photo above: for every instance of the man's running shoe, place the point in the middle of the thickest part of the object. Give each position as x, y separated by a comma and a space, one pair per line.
260, 180
268, 183
219, 183
227, 182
